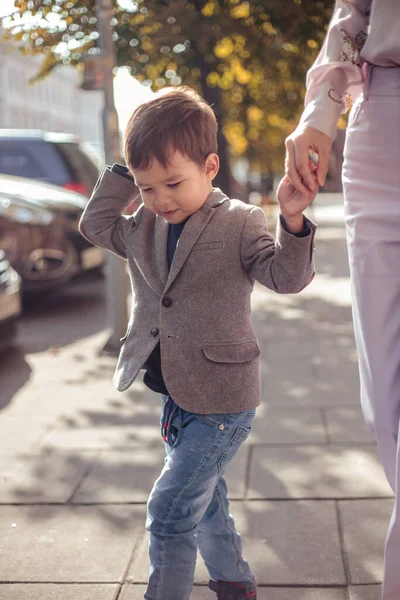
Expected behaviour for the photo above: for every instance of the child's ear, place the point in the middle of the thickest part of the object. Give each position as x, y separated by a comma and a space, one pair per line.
211, 165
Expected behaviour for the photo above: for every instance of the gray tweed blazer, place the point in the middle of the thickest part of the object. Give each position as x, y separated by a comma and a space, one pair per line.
199, 310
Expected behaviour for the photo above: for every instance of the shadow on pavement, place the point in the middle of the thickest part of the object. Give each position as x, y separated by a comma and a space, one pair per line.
14, 373
52, 321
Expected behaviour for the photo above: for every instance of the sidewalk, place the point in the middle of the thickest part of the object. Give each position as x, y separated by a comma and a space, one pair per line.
78, 459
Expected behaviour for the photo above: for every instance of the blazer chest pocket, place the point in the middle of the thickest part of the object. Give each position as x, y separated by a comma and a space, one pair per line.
239, 352
208, 246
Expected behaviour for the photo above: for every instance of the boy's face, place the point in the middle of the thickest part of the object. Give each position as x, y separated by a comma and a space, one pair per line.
179, 189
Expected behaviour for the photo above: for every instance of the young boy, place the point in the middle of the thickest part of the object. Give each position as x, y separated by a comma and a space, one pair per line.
193, 256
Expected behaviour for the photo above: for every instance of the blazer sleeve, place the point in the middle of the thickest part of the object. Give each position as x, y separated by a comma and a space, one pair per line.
102, 222
284, 264
336, 75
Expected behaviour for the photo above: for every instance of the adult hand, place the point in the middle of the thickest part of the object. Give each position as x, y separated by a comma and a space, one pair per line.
298, 167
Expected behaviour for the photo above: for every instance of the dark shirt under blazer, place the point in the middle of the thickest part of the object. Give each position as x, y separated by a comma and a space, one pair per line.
201, 306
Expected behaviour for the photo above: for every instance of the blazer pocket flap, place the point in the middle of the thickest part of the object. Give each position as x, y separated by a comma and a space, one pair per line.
232, 353
208, 246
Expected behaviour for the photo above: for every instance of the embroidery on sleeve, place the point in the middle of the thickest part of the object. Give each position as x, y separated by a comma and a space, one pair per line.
335, 98
360, 40
349, 52
346, 99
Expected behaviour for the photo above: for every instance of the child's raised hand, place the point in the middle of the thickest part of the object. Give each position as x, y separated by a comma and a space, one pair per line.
292, 203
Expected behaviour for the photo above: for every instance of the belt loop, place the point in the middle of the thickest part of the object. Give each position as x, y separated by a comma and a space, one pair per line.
367, 80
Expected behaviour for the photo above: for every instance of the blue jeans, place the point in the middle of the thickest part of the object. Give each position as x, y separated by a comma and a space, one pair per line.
188, 507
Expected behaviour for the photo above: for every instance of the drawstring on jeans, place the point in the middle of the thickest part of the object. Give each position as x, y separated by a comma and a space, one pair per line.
169, 413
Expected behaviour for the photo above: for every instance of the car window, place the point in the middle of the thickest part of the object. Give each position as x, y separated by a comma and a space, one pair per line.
19, 160
80, 165
32, 158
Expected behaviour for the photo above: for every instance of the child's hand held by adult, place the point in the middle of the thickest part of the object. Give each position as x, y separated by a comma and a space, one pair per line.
292, 203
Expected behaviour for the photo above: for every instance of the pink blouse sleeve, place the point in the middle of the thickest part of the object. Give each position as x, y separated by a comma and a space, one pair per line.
336, 73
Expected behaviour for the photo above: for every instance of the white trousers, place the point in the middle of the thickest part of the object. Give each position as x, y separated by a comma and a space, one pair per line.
371, 180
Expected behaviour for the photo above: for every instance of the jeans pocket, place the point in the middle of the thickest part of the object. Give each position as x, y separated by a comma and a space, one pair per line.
218, 419
240, 435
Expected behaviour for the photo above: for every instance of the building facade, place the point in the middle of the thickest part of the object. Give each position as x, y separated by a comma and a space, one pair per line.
54, 104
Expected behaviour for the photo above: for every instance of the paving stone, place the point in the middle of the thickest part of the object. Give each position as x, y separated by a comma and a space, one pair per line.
67, 544
365, 592
39, 591
346, 424
135, 592
14, 429
41, 477
286, 543
275, 425
284, 391
300, 594
365, 524
316, 472
121, 476
91, 438
128, 476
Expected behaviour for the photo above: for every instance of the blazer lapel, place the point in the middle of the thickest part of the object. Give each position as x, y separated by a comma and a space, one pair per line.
191, 233
161, 241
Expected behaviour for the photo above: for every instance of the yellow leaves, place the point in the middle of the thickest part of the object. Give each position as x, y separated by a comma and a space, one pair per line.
312, 44
224, 48
137, 19
268, 28
209, 9
21, 6
242, 11
275, 138
147, 46
229, 73
227, 80
239, 42
151, 29
235, 134
276, 121
213, 79
253, 134
254, 113
242, 75
283, 67
153, 71
291, 48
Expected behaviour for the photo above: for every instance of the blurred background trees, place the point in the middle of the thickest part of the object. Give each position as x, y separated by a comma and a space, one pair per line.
247, 59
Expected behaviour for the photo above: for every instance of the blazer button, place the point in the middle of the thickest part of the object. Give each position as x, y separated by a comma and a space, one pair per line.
154, 331
167, 302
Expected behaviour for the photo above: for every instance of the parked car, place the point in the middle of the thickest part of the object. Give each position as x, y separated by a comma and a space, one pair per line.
10, 302
56, 158
39, 233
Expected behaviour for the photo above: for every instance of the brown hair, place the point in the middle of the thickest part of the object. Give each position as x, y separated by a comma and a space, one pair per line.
176, 119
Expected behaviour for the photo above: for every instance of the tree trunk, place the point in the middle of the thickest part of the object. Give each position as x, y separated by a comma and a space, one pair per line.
214, 97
